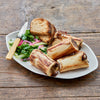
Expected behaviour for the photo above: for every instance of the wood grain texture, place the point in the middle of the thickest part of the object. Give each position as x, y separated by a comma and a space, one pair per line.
14, 75
70, 15
49, 92
12, 15
68, 98
80, 17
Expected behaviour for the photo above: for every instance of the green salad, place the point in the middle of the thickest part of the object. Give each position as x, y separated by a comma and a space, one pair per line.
27, 44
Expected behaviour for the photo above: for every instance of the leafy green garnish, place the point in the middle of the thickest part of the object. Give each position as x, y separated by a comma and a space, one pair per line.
25, 50
28, 36
44, 50
37, 37
11, 42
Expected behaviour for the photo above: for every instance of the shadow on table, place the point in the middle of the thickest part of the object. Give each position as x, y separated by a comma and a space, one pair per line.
29, 78
50, 81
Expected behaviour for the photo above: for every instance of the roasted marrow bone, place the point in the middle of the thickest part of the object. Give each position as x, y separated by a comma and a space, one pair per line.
41, 61
65, 47
76, 61
60, 35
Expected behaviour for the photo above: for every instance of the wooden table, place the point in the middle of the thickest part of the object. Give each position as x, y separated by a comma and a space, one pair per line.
79, 17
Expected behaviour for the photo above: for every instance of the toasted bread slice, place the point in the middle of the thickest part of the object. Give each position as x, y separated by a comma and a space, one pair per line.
45, 39
48, 39
40, 26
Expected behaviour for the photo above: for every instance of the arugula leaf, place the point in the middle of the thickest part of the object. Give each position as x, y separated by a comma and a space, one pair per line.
24, 49
44, 50
37, 37
27, 32
28, 36
24, 37
11, 42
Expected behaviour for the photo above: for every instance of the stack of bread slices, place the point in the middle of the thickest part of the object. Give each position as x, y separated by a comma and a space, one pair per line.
43, 28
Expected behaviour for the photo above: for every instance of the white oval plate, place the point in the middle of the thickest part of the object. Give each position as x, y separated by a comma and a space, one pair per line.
93, 62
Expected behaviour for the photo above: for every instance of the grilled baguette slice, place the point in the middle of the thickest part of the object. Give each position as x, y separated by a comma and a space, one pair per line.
48, 39
40, 26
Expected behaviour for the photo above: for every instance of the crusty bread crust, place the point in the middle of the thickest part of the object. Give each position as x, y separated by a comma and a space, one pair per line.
48, 39
53, 30
40, 26
45, 39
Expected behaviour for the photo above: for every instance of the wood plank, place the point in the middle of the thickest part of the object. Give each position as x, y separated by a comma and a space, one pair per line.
70, 15
12, 15
32, 80
69, 98
74, 16
3, 47
14, 75
91, 39
49, 92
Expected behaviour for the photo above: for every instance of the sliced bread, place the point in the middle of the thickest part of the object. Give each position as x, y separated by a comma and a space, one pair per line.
40, 26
